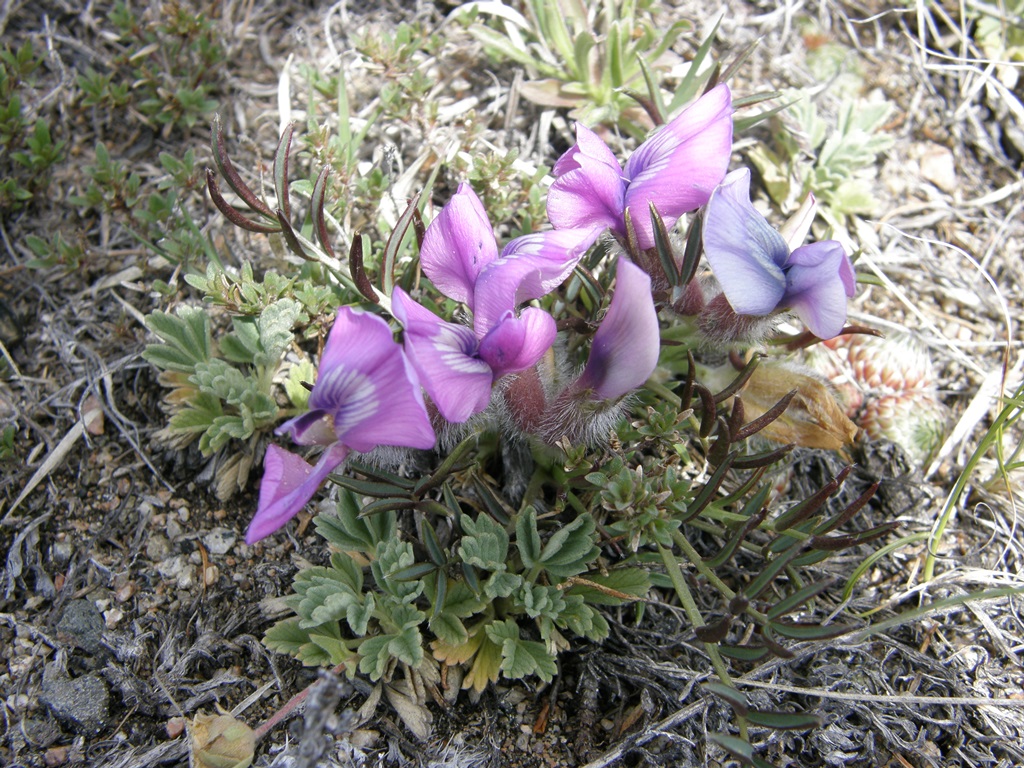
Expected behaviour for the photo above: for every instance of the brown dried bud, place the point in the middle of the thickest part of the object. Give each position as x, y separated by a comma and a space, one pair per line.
813, 419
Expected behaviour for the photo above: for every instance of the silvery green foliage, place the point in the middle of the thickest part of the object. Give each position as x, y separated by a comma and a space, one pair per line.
379, 605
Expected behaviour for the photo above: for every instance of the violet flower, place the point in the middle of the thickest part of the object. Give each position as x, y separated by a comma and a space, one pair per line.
623, 354
366, 395
676, 169
459, 365
625, 348
758, 273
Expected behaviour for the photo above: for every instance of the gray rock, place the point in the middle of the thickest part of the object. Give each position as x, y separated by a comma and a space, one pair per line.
81, 625
80, 704
219, 541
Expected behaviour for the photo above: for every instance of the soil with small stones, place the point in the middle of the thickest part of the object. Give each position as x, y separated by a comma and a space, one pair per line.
129, 600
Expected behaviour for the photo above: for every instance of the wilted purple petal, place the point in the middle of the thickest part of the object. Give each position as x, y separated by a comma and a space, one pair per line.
679, 167
626, 346
819, 280
288, 484
589, 189
444, 356
458, 244
744, 252
530, 266
516, 343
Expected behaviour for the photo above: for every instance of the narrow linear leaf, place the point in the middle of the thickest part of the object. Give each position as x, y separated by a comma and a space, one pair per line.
227, 170
664, 247
743, 652
798, 598
317, 205
357, 268
291, 238
394, 244
284, 147
811, 504
232, 214
735, 698
733, 745
809, 631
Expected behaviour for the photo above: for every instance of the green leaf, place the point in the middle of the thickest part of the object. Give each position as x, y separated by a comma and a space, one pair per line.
485, 544
407, 646
635, 582
449, 628
199, 415
528, 537
243, 344
733, 697
502, 584
347, 570
735, 746
393, 556
784, 721
275, 325
797, 599
809, 631
348, 531
571, 549
374, 656
412, 572
188, 332
332, 644
299, 375
743, 652
462, 601
330, 607
359, 614
286, 637
520, 658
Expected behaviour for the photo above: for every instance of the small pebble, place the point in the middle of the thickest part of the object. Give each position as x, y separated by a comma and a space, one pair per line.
219, 541
55, 756
158, 547
174, 529
175, 727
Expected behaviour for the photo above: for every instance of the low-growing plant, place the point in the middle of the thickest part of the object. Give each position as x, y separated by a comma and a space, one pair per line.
588, 58
171, 60
501, 489
29, 150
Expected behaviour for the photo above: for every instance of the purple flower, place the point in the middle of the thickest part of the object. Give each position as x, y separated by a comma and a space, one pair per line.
677, 168
459, 365
625, 348
758, 273
366, 394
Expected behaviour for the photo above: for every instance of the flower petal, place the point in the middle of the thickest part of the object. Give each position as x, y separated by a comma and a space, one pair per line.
311, 428
288, 484
679, 167
530, 266
367, 387
588, 189
626, 346
819, 279
744, 252
444, 356
458, 244
516, 343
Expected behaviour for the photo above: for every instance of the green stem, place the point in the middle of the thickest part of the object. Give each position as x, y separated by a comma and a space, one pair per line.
697, 562
1008, 415
675, 574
